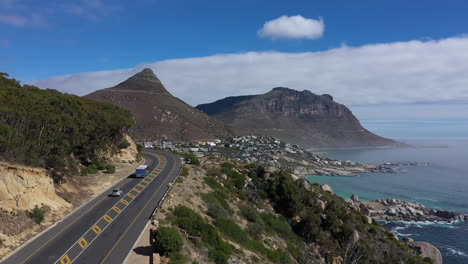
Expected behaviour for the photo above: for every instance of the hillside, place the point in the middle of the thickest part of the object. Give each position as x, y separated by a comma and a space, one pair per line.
244, 213
47, 139
296, 117
45, 128
158, 114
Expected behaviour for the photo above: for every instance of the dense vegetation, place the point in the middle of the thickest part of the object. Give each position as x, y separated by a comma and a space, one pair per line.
167, 240
46, 128
310, 224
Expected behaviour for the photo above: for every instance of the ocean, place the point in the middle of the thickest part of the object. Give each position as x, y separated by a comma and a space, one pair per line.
443, 184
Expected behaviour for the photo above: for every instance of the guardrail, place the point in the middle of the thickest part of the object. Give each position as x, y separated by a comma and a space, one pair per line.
158, 206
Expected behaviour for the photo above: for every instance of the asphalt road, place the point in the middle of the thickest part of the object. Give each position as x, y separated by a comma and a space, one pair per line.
105, 229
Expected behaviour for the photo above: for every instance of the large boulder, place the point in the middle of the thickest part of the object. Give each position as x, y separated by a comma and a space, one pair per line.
427, 250
326, 187
355, 198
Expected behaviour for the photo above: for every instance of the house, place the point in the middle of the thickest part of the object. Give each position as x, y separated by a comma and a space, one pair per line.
167, 145
148, 144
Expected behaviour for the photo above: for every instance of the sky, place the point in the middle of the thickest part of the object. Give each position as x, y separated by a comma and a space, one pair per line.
386, 60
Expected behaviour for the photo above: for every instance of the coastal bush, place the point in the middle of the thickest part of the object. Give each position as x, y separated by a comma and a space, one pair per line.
217, 197
193, 159
235, 233
185, 172
178, 258
213, 183
216, 211
109, 169
124, 144
92, 169
218, 250
331, 228
38, 214
255, 230
249, 213
167, 239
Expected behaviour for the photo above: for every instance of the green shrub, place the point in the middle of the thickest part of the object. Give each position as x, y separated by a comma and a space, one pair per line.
109, 169
250, 214
255, 230
139, 148
193, 159
124, 144
92, 169
217, 197
100, 166
218, 250
217, 211
184, 172
214, 184
178, 258
38, 214
167, 240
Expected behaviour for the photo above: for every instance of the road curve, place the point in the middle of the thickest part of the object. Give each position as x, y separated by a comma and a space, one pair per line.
105, 229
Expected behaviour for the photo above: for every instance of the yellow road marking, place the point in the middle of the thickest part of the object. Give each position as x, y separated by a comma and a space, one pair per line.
131, 224
65, 260
83, 243
116, 209
96, 229
107, 218
50, 240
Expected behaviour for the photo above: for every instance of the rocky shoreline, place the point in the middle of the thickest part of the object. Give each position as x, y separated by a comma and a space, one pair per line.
348, 169
400, 210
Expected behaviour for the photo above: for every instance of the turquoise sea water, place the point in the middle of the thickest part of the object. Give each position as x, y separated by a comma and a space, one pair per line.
442, 184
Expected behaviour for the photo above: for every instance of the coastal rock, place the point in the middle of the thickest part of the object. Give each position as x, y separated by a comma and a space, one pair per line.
355, 237
395, 236
396, 210
320, 203
408, 240
326, 187
427, 250
355, 198
368, 219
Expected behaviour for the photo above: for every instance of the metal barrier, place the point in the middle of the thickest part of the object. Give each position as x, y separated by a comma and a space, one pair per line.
165, 194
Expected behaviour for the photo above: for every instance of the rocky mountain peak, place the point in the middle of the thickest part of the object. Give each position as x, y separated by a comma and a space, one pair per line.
145, 80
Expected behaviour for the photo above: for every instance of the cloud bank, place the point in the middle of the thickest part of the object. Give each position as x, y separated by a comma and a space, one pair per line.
292, 27
416, 73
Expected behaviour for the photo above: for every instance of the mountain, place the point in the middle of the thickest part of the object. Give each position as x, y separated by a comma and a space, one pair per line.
158, 114
297, 117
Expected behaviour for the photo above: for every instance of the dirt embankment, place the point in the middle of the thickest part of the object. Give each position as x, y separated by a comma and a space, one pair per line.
23, 188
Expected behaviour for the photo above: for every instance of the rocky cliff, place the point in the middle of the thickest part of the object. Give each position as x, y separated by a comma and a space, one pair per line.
24, 188
158, 114
299, 117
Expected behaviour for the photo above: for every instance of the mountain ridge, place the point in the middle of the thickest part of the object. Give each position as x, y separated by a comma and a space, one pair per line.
299, 117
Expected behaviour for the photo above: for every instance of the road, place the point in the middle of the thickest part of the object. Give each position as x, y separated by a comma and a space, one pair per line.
105, 229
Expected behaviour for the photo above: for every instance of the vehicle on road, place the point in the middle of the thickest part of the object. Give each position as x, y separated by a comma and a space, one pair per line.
116, 192
141, 171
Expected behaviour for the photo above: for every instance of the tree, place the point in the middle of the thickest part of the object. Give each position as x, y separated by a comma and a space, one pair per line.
167, 240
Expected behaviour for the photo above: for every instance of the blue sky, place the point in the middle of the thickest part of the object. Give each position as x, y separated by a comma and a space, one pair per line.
41, 39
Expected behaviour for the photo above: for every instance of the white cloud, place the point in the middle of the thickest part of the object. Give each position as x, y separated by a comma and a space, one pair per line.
365, 78
293, 27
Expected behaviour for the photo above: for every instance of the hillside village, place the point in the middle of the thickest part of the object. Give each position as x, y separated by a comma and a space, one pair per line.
271, 152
